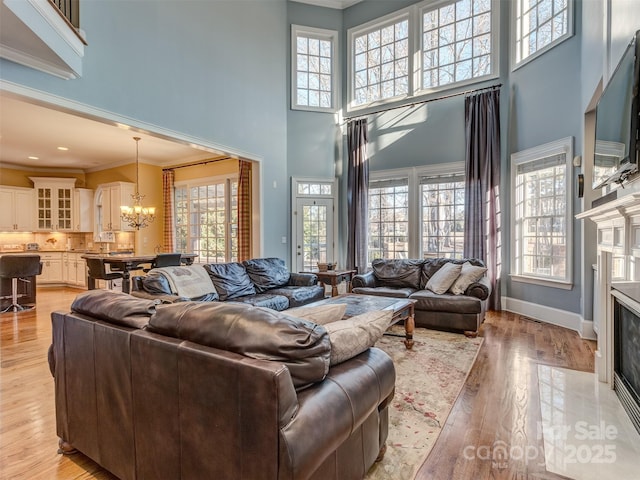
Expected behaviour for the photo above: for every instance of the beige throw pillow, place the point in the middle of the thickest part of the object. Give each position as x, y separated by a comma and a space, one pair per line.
354, 335
444, 278
468, 275
322, 314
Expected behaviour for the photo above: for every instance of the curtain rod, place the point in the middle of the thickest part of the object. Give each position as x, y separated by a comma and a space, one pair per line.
411, 105
196, 164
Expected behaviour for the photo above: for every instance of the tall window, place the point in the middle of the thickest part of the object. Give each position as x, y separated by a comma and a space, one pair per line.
539, 25
417, 212
456, 42
541, 213
457, 45
388, 219
442, 205
314, 68
207, 219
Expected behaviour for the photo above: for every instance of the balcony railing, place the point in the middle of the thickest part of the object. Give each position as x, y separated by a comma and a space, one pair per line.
70, 9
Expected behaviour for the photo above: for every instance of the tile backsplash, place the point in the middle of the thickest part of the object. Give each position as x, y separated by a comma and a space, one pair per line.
10, 241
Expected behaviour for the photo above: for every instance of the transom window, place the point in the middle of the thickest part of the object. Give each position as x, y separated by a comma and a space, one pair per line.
432, 45
542, 213
456, 43
382, 62
539, 25
207, 219
442, 203
314, 68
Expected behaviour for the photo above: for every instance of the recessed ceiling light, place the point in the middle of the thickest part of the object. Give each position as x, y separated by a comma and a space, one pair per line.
33, 158
64, 149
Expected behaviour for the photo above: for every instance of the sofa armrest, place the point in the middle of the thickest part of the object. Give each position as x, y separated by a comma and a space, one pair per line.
364, 280
302, 279
480, 289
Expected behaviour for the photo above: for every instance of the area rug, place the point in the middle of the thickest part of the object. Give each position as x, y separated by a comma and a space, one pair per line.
428, 381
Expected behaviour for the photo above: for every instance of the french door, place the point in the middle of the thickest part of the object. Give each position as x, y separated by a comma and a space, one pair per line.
313, 224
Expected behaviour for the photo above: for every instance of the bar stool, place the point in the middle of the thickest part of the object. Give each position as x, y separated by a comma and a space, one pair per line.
19, 267
97, 271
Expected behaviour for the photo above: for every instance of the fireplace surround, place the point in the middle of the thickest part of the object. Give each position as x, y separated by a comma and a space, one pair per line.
617, 290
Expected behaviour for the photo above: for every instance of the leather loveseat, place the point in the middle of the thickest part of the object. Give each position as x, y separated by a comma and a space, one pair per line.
261, 282
409, 278
213, 390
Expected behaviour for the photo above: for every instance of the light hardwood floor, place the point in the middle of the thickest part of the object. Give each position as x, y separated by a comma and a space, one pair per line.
499, 402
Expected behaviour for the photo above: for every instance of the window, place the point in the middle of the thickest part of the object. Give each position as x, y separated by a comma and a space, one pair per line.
540, 25
442, 204
541, 214
455, 47
314, 69
456, 42
381, 65
207, 219
388, 219
417, 212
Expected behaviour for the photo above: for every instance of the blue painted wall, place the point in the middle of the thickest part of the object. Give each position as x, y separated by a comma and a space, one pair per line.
215, 70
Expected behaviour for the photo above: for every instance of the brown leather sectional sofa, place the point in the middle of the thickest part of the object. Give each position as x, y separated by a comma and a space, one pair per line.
213, 390
408, 278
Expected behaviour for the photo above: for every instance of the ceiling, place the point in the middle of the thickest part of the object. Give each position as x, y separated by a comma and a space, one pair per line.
339, 4
32, 130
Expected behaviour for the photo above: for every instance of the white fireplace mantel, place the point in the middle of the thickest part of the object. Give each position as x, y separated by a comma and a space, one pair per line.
618, 248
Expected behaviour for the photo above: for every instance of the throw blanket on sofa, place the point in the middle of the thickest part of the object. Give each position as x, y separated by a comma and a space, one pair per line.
190, 282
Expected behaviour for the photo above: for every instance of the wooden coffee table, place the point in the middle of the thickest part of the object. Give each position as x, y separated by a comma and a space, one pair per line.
357, 304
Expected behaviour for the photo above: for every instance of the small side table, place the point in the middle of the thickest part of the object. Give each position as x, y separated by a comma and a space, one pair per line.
334, 278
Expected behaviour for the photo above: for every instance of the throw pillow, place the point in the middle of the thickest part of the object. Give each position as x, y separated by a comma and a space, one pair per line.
442, 280
354, 335
267, 273
230, 280
468, 275
321, 314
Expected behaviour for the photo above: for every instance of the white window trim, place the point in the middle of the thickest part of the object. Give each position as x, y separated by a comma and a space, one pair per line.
564, 145
414, 15
331, 35
515, 65
413, 174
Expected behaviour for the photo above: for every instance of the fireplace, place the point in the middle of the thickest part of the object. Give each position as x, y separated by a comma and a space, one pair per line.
626, 351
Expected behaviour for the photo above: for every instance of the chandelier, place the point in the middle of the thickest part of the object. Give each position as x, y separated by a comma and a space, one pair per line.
137, 216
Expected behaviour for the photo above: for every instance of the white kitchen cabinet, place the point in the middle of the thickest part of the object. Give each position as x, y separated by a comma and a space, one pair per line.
108, 200
74, 269
52, 268
54, 203
83, 210
17, 207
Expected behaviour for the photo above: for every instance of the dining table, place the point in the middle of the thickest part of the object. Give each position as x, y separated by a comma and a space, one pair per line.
126, 262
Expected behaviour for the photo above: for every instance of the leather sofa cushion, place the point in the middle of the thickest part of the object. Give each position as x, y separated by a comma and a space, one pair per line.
230, 279
266, 300
255, 332
398, 272
267, 273
385, 291
298, 296
446, 302
115, 307
155, 282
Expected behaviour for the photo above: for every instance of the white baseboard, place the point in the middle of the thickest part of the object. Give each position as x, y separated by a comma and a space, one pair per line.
554, 316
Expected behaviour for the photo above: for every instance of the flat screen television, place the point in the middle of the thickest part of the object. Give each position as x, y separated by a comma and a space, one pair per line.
616, 139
